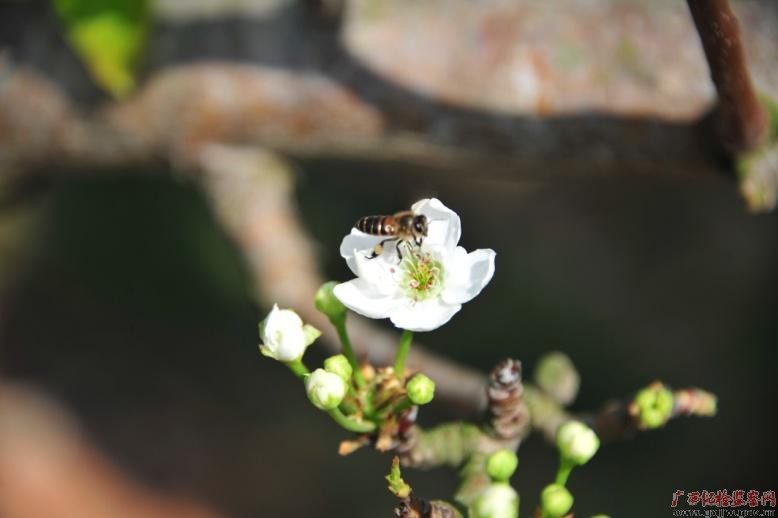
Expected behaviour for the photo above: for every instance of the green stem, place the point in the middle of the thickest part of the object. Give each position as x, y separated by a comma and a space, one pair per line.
298, 368
565, 467
349, 424
402, 353
348, 350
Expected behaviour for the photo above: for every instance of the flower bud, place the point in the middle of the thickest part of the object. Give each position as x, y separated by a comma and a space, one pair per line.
556, 500
557, 376
499, 500
653, 405
284, 337
328, 303
339, 365
325, 389
577, 442
420, 389
501, 464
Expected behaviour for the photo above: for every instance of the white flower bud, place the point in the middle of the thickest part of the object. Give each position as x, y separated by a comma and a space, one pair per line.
499, 500
283, 335
577, 442
325, 389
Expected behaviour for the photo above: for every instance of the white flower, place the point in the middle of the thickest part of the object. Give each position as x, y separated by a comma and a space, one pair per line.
284, 337
424, 290
325, 389
577, 442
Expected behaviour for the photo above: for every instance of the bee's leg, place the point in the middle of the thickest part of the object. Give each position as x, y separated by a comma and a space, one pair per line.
419, 241
400, 252
379, 248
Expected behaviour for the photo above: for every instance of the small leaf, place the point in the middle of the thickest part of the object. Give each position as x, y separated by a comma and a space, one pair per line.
397, 485
108, 35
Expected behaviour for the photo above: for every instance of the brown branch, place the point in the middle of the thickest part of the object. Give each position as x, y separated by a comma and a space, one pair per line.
740, 119
306, 114
47, 468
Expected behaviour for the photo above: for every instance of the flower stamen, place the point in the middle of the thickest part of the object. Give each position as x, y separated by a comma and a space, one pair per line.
422, 275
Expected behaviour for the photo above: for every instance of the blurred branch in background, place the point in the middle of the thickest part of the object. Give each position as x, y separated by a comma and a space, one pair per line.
741, 121
353, 90
47, 469
740, 118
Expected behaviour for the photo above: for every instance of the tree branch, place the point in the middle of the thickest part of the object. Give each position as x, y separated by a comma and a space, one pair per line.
740, 119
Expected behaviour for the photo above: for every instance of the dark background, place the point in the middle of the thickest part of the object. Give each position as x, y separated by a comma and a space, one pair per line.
134, 310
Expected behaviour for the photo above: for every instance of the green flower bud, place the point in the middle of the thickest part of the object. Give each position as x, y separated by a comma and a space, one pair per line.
339, 365
556, 500
557, 376
501, 464
328, 303
325, 389
601, 516
577, 442
499, 500
420, 389
653, 405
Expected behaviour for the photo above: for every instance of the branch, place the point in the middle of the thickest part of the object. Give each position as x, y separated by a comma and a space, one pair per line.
48, 468
184, 109
740, 119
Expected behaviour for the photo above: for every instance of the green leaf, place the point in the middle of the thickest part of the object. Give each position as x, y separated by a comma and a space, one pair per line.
109, 36
397, 485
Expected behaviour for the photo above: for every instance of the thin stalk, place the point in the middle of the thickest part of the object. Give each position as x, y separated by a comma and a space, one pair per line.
298, 368
565, 467
349, 424
348, 350
402, 353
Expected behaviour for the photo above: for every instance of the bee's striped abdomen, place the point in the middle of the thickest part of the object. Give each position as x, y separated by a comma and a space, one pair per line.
377, 225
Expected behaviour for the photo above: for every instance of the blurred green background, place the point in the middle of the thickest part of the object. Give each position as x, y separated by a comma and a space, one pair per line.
135, 311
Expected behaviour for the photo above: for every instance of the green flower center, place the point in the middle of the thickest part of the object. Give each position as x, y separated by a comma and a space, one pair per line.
422, 275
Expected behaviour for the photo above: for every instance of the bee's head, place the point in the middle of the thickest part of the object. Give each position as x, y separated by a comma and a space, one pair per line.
420, 225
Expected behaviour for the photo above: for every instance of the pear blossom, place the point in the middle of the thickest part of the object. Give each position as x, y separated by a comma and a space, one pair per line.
424, 289
284, 337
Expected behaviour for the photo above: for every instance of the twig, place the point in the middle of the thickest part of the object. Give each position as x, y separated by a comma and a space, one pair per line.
740, 119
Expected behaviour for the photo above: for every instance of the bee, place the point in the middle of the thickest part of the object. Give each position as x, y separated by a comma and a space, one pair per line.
403, 227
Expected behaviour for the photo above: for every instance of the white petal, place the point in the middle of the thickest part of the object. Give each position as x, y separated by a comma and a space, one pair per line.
444, 225
361, 297
467, 274
383, 272
357, 242
423, 316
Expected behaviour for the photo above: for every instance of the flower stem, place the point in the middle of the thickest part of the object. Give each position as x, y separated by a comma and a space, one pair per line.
402, 353
348, 350
565, 467
349, 424
298, 368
